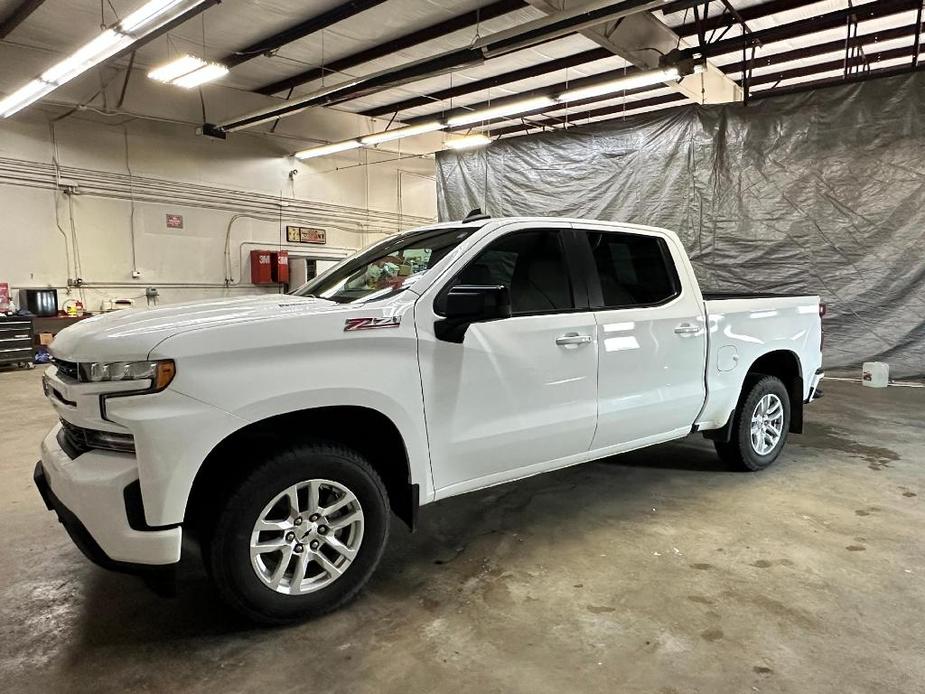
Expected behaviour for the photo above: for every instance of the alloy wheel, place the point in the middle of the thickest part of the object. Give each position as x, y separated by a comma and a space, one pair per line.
767, 424
306, 537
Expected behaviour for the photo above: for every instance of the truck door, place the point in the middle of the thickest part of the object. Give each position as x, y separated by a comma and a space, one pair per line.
520, 393
651, 337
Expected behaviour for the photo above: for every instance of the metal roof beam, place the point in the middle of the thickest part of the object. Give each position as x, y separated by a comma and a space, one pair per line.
434, 31
785, 56
818, 68
680, 6
495, 81
500, 43
726, 19
18, 15
642, 39
168, 27
299, 31
753, 12
549, 90
838, 64
837, 81
803, 27
614, 109
821, 49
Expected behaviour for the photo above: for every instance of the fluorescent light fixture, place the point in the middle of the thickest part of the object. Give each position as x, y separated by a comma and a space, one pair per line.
408, 131
24, 96
188, 71
179, 67
497, 111
642, 79
206, 73
325, 150
147, 13
468, 142
512, 108
104, 46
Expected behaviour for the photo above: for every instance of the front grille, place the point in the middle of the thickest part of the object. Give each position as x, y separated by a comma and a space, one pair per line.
67, 369
77, 440
73, 439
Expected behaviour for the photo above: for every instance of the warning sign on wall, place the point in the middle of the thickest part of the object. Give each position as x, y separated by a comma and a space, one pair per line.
175, 221
306, 235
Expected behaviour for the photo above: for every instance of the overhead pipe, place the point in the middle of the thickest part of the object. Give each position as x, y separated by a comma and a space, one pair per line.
118, 186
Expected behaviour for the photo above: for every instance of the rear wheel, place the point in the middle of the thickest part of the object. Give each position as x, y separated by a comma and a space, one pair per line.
301, 535
760, 425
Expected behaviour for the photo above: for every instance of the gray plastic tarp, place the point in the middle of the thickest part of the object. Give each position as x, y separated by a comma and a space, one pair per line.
818, 192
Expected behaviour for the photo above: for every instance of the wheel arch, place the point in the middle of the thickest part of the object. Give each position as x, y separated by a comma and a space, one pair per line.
782, 363
230, 460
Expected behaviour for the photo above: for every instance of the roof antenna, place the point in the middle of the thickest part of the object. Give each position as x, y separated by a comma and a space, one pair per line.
476, 215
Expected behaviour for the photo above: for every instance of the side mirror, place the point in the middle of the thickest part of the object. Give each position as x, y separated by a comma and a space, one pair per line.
466, 304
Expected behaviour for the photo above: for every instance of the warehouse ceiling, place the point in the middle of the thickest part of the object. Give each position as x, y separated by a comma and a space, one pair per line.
286, 50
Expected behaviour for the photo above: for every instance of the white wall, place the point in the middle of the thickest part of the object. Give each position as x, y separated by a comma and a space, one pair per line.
157, 167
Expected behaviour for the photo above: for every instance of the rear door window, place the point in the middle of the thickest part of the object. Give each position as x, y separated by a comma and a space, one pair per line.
634, 270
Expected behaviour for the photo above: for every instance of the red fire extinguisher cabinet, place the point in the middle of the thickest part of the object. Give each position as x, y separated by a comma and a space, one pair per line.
262, 267
281, 267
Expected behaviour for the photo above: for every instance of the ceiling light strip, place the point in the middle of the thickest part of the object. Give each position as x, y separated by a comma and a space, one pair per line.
120, 36
642, 79
512, 108
179, 67
398, 133
207, 73
324, 150
469, 142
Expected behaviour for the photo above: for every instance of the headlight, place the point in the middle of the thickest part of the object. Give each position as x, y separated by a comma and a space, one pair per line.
160, 373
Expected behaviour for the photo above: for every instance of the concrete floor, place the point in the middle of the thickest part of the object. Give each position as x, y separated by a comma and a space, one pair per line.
657, 571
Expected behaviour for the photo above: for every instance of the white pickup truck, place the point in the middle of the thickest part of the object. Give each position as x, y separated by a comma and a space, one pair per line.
279, 431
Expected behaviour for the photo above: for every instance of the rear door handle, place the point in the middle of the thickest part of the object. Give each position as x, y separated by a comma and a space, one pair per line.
573, 339
687, 329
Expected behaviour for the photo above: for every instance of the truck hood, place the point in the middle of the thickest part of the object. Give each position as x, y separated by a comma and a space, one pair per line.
131, 334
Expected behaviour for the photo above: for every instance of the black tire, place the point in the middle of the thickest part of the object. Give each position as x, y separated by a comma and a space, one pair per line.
228, 553
738, 451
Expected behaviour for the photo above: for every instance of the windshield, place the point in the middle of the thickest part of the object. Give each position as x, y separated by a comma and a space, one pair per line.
386, 268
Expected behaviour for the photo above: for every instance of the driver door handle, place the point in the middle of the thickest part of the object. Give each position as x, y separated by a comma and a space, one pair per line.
573, 339
687, 329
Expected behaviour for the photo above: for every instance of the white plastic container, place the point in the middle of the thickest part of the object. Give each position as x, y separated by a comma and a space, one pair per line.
875, 374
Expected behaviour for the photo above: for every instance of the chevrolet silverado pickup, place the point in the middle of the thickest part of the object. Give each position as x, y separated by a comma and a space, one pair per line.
281, 432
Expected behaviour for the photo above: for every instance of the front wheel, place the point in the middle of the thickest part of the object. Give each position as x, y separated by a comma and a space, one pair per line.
760, 426
301, 535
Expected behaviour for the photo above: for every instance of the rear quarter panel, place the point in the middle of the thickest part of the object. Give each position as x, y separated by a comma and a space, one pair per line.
741, 331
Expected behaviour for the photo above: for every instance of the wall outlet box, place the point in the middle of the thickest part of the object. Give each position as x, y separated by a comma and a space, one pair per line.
136, 274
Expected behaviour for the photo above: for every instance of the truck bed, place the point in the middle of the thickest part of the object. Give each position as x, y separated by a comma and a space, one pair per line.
719, 296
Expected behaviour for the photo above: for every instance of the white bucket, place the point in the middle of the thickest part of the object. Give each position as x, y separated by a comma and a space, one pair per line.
875, 374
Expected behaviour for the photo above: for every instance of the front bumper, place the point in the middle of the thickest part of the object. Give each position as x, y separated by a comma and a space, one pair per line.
89, 496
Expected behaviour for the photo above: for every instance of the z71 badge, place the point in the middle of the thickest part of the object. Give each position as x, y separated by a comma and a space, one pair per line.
371, 323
